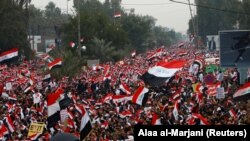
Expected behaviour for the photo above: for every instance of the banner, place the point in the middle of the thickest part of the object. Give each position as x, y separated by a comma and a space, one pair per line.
35, 128
220, 93
63, 115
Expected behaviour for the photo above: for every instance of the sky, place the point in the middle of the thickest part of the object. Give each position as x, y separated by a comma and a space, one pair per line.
167, 13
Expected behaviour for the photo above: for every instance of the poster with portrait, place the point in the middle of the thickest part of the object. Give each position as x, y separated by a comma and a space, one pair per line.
49, 45
213, 42
235, 48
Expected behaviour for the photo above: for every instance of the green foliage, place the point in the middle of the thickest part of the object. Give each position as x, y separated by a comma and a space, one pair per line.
106, 38
244, 20
72, 64
13, 26
139, 29
48, 22
211, 21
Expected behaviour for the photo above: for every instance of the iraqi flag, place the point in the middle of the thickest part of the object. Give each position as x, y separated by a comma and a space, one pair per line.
183, 53
140, 96
243, 93
56, 62
9, 54
28, 89
47, 77
106, 70
35, 136
86, 126
117, 15
181, 44
158, 53
156, 120
212, 89
54, 108
107, 98
176, 110
125, 88
133, 54
2, 67
72, 44
121, 98
45, 56
162, 72
126, 113
203, 120
233, 113
9, 124
3, 131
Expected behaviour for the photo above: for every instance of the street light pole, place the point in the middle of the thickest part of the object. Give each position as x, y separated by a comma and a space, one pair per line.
67, 7
79, 30
192, 18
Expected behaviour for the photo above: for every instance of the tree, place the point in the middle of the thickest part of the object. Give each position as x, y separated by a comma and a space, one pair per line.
101, 50
210, 21
139, 29
13, 26
108, 38
244, 20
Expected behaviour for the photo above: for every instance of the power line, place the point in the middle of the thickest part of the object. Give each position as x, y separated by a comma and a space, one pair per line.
213, 8
147, 4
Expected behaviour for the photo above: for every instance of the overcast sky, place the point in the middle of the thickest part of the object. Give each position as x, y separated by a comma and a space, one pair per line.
167, 13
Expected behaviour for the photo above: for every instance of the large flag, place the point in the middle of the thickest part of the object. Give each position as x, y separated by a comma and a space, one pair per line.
139, 96
85, 125
243, 93
9, 54
56, 62
54, 107
163, 71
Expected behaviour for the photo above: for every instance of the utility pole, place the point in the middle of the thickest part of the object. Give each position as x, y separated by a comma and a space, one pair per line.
192, 18
197, 26
79, 30
67, 7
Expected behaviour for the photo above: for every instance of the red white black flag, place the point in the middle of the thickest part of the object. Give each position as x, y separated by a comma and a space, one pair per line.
9, 54
163, 71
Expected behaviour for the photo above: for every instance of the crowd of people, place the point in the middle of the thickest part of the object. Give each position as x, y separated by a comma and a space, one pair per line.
188, 98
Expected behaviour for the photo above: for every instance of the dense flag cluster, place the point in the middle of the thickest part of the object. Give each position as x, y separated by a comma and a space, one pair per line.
165, 86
